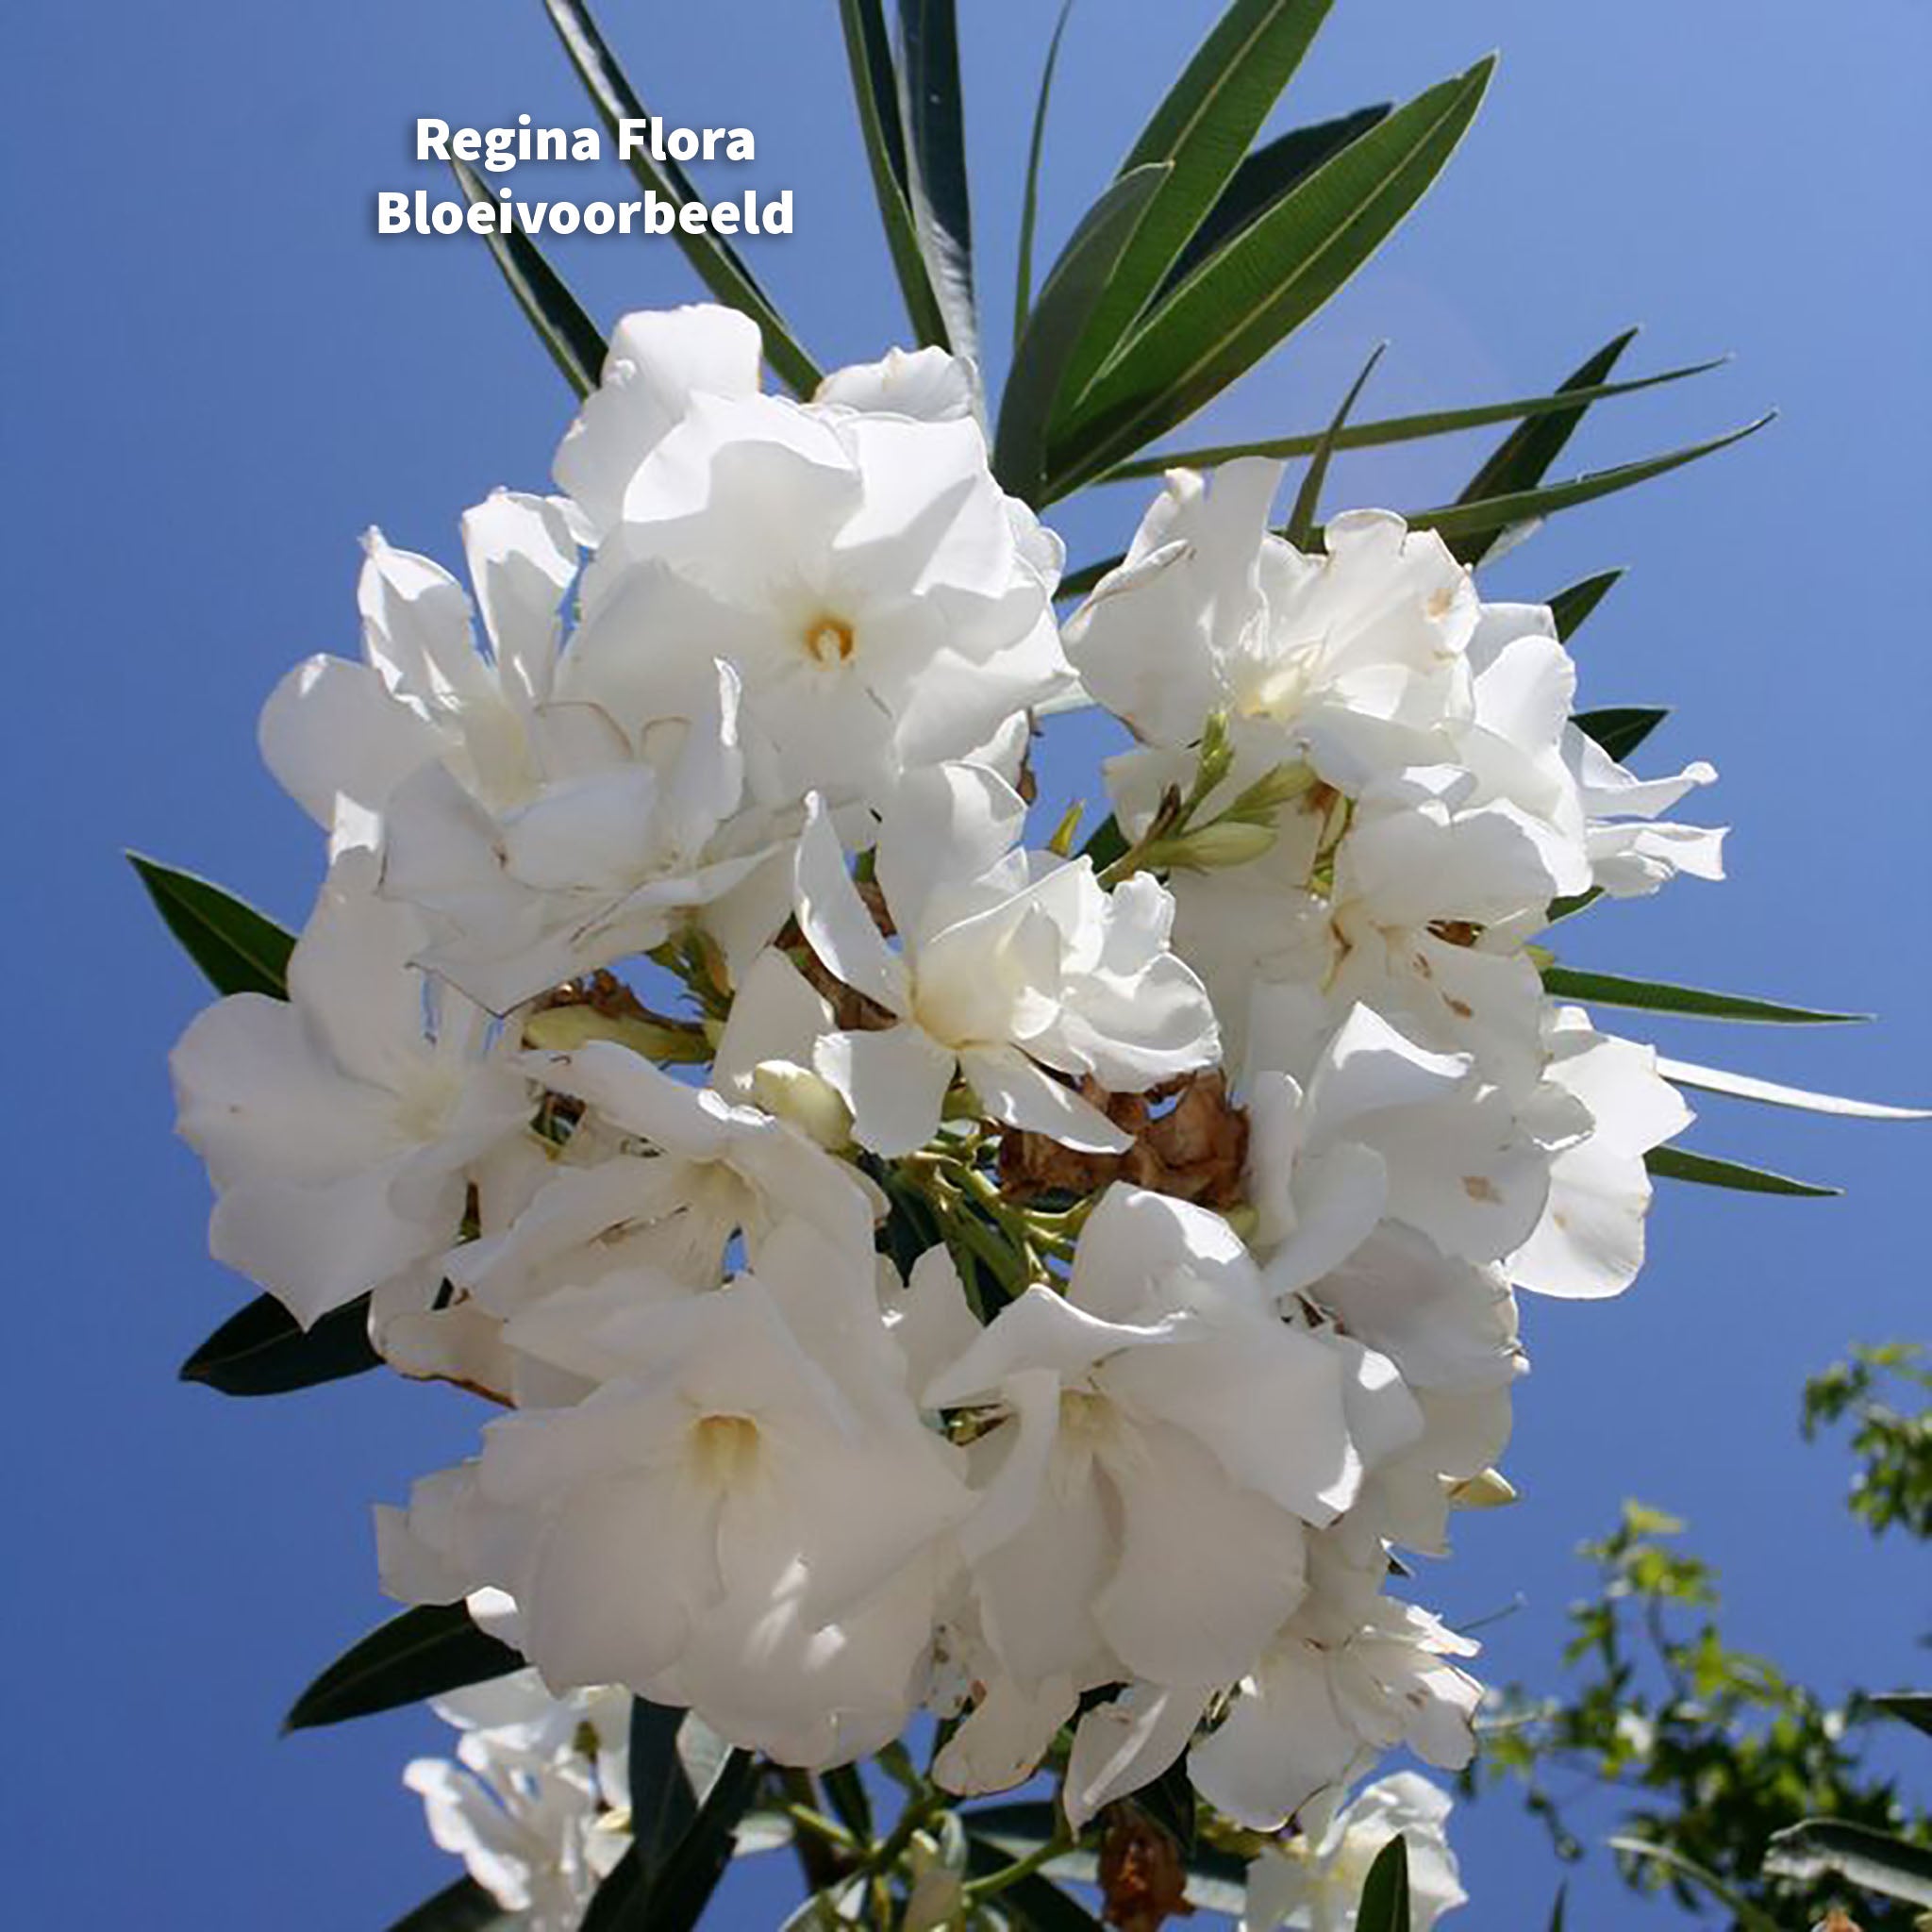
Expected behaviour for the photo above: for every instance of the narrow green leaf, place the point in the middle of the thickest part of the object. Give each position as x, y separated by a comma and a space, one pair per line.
1681, 1164
1085, 265
1570, 606
1523, 458
1749, 1918
1620, 729
1656, 996
673, 1898
1394, 429
1771, 1093
846, 1793
1503, 512
1202, 129
1873, 1860
876, 88
1385, 1892
935, 123
464, 1906
236, 947
1029, 200
1265, 282
1909, 1707
663, 1803
572, 339
1557, 1906
718, 263
1106, 843
263, 1350
1301, 518
1033, 1904
422, 1653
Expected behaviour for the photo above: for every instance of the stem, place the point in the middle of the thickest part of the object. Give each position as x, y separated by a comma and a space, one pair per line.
994, 1882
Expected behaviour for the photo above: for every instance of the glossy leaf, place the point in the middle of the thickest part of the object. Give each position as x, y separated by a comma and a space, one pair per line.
1909, 1707
1084, 268
464, 1906
673, 1898
875, 88
263, 1350
1301, 518
663, 1803
718, 263
1029, 199
1033, 1904
1385, 1892
1749, 1917
1570, 606
936, 184
1557, 1908
1772, 1093
1393, 429
1705, 1170
851, 1806
1873, 1860
572, 341
1202, 129
237, 949
1656, 996
1620, 729
422, 1653
1265, 282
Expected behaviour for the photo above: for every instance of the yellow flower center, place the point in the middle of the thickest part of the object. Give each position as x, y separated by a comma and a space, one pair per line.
828, 639
723, 1449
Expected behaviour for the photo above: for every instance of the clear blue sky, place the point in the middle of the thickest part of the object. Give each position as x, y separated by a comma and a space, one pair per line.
217, 375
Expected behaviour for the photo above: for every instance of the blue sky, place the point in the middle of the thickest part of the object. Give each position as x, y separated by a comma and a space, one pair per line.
219, 376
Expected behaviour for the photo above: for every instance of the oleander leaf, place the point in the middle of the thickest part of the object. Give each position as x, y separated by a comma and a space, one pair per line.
1656, 996
1570, 606
1909, 1707
572, 341
464, 1906
1301, 518
937, 191
673, 1898
422, 1653
1707, 1171
663, 1803
1749, 1918
237, 949
1872, 1861
263, 1350
1620, 729
1385, 1892
1029, 200
1772, 1093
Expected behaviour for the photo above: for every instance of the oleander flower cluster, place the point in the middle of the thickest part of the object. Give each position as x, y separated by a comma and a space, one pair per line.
922, 1263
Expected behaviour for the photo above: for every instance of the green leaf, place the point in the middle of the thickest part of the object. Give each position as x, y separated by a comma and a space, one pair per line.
1523, 458
876, 88
1029, 200
1620, 729
1497, 513
236, 947
663, 1803
1568, 607
936, 185
1265, 282
718, 263
1656, 996
1772, 1093
1393, 429
1705, 1170
464, 1906
1033, 1904
1909, 1707
1557, 1906
846, 1793
1201, 130
1385, 1892
1749, 1918
673, 1897
1086, 266
422, 1653
1301, 518
1107, 843
263, 1350
572, 340
1873, 1860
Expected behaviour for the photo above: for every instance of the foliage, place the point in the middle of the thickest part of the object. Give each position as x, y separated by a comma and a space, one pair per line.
1893, 1486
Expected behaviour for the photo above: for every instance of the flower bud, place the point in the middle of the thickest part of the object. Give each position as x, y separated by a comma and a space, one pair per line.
563, 1029
937, 1898
1223, 842
1489, 1488
1214, 756
1272, 791
797, 1094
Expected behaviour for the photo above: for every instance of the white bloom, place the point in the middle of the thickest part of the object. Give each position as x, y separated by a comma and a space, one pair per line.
338, 1124
885, 604
1629, 854
1009, 963
1314, 1882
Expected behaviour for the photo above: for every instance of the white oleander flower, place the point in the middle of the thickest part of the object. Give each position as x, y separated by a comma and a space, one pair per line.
1009, 963
1629, 854
1313, 1882
532, 1807
339, 1126
884, 602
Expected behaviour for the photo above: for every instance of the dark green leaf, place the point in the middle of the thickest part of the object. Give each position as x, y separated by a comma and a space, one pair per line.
1393, 429
1681, 1164
1079, 279
935, 183
673, 1897
1169, 1801
1911, 1707
1557, 1906
876, 88
1523, 458
1749, 1918
717, 262
1568, 607
1107, 843
1029, 200
1385, 1892
1655, 996
846, 1794
420, 1654
235, 946
1032, 1904
1201, 130
1301, 518
1620, 729
1265, 282
663, 1803
572, 339
464, 1906
263, 1350
1503, 512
